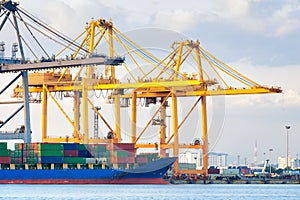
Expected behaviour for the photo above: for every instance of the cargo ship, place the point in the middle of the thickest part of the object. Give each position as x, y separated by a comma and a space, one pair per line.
72, 163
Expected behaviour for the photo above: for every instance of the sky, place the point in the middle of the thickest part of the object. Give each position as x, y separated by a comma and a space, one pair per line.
259, 38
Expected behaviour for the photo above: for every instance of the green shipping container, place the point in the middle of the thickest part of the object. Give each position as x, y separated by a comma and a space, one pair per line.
18, 153
82, 147
4, 152
3, 146
51, 153
98, 149
121, 154
27, 146
32, 160
51, 147
74, 160
106, 154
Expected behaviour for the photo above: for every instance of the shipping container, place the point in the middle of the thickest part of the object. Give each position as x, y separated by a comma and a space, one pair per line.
74, 160
51, 153
120, 160
90, 161
84, 153
50, 159
187, 165
120, 153
71, 146
5, 159
106, 154
229, 171
123, 146
99, 148
82, 147
4, 152
51, 147
3, 146
70, 153
142, 160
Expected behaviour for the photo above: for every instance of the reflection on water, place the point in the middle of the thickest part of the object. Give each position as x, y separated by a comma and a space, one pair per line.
124, 192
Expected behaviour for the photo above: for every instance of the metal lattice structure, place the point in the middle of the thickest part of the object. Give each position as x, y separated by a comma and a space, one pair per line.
162, 81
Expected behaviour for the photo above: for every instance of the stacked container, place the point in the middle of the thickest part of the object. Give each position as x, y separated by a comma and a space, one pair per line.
5, 154
120, 155
17, 157
99, 152
50, 153
144, 158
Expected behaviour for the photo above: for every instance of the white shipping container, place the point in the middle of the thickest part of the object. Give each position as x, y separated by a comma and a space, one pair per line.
231, 171
90, 161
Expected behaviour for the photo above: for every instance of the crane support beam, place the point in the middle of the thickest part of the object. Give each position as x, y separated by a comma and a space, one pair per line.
204, 136
85, 112
117, 118
11, 136
11, 102
160, 89
26, 108
168, 146
76, 140
175, 129
61, 64
134, 117
44, 112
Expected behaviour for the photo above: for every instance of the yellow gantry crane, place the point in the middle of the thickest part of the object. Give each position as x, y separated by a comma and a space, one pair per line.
161, 80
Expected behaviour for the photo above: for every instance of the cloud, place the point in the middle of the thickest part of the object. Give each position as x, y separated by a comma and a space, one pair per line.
178, 20
285, 77
287, 18
263, 17
237, 8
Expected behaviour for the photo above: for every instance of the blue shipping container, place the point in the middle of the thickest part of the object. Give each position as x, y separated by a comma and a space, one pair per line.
84, 153
51, 159
70, 146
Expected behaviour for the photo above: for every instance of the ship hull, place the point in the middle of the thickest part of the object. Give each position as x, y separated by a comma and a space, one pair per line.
88, 181
149, 174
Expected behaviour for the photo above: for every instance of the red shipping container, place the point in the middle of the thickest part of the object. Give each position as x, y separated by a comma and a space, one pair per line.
245, 171
123, 160
141, 160
123, 146
5, 159
71, 153
131, 160
120, 146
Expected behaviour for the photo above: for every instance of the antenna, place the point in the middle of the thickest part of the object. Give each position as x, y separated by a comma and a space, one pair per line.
255, 154
2, 49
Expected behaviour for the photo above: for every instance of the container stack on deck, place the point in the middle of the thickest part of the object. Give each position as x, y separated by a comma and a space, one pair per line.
122, 155
144, 158
116, 155
5, 157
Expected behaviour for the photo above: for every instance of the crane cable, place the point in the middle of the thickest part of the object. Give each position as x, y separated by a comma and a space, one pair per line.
39, 44
51, 30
